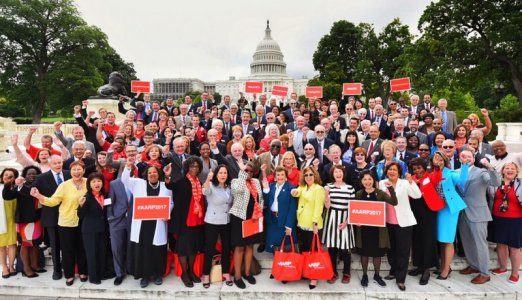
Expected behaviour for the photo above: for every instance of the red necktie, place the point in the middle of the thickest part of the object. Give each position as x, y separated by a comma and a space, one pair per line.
372, 117
370, 149
402, 157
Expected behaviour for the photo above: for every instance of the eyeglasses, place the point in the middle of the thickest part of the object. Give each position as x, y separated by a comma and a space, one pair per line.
308, 175
293, 103
422, 149
319, 132
275, 146
393, 103
448, 147
309, 149
359, 154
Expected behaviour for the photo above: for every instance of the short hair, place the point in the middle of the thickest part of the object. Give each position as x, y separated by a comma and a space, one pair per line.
216, 170
93, 176
517, 168
191, 161
419, 161
360, 150
337, 167
391, 164
26, 169
15, 173
370, 173
388, 143
281, 169
288, 153
77, 163
317, 178
443, 156
146, 171
79, 143
37, 159
248, 137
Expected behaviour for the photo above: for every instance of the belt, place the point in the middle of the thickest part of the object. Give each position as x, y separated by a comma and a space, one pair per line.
274, 213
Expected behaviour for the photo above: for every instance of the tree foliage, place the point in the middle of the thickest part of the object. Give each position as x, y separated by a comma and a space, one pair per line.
49, 57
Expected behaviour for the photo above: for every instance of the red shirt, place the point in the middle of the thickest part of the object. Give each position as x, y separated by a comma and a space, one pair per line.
108, 176
112, 129
514, 207
33, 152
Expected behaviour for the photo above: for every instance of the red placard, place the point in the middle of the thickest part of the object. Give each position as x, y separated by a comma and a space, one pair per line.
278, 90
370, 213
253, 87
151, 208
140, 86
314, 92
400, 84
352, 88
251, 227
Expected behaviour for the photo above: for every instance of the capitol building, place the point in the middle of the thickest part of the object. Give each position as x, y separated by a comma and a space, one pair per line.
268, 66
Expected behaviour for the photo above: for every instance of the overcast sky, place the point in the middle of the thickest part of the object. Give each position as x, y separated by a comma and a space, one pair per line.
212, 40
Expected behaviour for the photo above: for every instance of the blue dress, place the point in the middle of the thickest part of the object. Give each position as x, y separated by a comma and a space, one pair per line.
448, 217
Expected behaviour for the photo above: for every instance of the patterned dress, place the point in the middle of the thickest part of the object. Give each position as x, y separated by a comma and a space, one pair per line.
335, 215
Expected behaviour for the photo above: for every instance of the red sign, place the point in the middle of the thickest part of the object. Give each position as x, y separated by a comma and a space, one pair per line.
314, 92
278, 90
400, 84
151, 208
352, 88
253, 87
140, 86
370, 213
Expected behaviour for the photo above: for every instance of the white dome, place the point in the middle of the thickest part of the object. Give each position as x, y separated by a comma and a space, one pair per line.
268, 58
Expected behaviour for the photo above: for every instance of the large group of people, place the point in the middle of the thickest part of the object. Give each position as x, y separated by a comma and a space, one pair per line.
293, 166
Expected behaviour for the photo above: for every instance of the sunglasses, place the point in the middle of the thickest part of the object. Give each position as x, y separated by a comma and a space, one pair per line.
319, 132
309, 149
359, 154
424, 149
308, 175
448, 147
276, 146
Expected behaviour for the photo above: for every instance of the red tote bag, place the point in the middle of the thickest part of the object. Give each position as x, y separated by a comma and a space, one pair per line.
317, 263
287, 266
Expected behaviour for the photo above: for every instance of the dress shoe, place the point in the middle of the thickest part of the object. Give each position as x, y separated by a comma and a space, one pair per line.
186, 280
240, 283
194, 278
498, 271
83, 278
364, 280
346, 278
480, 279
468, 270
95, 281
69, 281
6, 276
401, 286
29, 275
513, 278
261, 248
14, 273
333, 279
41, 270
389, 277
378, 279
425, 277
57, 276
144, 282
118, 280
415, 272
158, 280
250, 279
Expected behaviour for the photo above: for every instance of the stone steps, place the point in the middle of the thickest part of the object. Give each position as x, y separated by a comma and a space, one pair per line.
456, 287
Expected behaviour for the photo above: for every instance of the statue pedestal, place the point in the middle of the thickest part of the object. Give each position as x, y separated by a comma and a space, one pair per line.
110, 105
511, 134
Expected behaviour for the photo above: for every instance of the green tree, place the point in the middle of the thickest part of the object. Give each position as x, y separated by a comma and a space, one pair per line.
48, 52
481, 41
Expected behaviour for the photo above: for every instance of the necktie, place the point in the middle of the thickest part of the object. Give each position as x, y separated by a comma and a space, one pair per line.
154, 116
370, 149
259, 120
273, 162
183, 120
58, 178
320, 151
181, 158
245, 129
227, 127
401, 157
371, 113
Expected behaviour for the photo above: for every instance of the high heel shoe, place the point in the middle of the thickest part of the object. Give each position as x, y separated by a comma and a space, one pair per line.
401, 286
6, 276
29, 275
312, 286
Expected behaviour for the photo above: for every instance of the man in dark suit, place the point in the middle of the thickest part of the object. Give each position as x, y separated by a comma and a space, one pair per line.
168, 106
246, 126
414, 129
321, 143
370, 111
78, 153
204, 104
153, 113
290, 112
335, 155
47, 183
437, 126
373, 145
427, 105
230, 159
381, 121
448, 148
177, 157
262, 102
402, 153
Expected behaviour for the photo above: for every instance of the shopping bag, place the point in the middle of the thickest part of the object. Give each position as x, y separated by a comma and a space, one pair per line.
216, 272
317, 263
287, 266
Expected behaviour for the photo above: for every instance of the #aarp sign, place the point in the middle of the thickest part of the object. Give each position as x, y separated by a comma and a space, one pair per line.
400, 84
140, 86
314, 92
352, 88
151, 208
278, 90
254, 87
369, 213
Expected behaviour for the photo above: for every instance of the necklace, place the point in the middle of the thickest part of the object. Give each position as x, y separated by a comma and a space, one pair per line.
78, 186
154, 186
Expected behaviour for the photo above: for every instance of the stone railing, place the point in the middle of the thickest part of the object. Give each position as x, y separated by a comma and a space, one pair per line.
43, 129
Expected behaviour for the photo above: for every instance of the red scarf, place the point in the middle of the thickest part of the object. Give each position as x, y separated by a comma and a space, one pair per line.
99, 197
196, 195
258, 212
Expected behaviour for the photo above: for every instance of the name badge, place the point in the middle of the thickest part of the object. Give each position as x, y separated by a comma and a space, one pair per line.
107, 201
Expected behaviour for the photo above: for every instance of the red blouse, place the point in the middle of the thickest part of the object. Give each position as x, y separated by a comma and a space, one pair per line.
514, 207
192, 218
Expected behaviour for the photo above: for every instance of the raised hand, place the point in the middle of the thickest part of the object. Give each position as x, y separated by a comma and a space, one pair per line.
57, 126
167, 170
35, 193
14, 140
57, 142
33, 129
19, 181
210, 175
409, 178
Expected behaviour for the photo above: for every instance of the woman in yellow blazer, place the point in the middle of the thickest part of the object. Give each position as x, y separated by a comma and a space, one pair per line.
309, 209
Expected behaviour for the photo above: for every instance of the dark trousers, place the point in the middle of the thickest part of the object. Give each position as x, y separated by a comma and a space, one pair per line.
119, 242
54, 243
211, 235
345, 256
95, 245
399, 253
72, 251
305, 239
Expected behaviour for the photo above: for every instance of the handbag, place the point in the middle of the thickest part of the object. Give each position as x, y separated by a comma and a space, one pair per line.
287, 266
317, 263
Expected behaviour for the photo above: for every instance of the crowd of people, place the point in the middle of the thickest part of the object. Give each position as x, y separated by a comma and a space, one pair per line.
293, 166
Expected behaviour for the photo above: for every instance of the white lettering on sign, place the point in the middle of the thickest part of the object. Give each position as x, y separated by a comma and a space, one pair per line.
366, 212
150, 206
286, 264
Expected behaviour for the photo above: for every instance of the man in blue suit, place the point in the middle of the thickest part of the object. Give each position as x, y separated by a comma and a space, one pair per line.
280, 212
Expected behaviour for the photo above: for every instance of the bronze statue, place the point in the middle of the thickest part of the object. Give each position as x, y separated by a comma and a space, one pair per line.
114, 88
